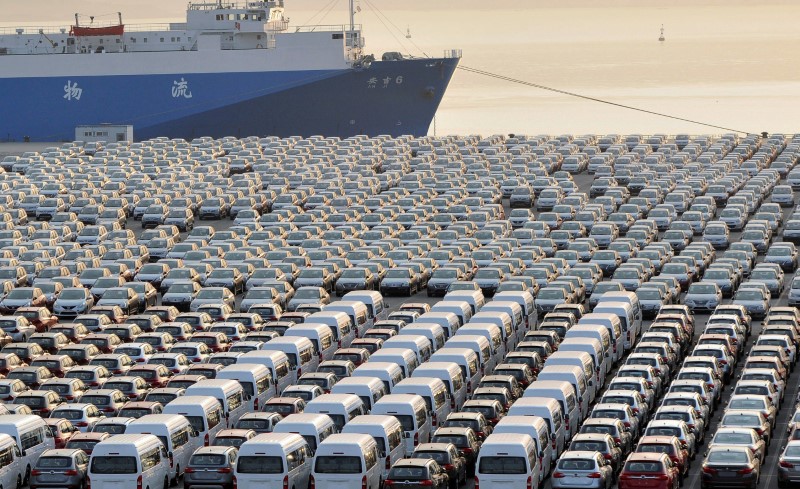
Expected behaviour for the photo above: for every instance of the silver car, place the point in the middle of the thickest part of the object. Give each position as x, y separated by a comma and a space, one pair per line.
65, 467
789, 460
210, 467
579, 468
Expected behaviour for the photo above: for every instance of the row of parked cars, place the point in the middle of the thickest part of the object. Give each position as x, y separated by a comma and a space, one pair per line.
412, 214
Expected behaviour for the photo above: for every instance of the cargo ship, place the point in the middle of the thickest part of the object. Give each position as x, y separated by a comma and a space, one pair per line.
229, 70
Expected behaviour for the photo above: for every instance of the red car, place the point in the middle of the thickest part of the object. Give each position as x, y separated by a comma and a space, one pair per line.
649, 471
61, 429
669, 445
40, 317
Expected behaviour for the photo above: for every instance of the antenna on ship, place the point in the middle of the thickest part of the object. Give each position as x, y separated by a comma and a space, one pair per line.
408, 32
661, 37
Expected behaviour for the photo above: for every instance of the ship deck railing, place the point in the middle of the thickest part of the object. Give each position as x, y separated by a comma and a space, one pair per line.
326, 28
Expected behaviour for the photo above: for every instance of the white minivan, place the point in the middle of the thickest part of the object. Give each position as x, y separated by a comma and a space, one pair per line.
229, 393
368, 389
508, 460
343, 330
390, 373
388, 433
255, 379
466, 359
129, 461
347, 460
320, 335
203, 412
595, 350
303, 357
278, 364
447, 320
548, 409
311, 426
432, 331
536, 428
175, 432
480, 345
412, 412
340, 407
450, 374
564, 394
273, 460
601, 314
32, 437
433, 391
403, 357
356, 310
12, 468
575, 376
376, 307
631, 316
416, 343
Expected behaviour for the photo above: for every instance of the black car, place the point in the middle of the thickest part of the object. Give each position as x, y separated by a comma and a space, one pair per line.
419, 472
465, 439
448, 457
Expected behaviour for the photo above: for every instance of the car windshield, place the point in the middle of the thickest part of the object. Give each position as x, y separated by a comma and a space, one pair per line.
733, 438
741, 420
702, 289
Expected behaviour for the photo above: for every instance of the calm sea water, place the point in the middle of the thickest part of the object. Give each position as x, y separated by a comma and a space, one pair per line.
726, 62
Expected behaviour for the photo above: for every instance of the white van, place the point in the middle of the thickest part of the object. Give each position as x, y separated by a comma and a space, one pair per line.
203, 412
273, 460
548, 409
432, 331
480, 345
575, 376
278, 364
447, 320
503, 321
175, 432
578, 359
536, 428
347, 460
412, 412
514, 310
474, 298
460, 308
303, 357
612, 323
466, 359
32, 436
340, 407
376, 306
229, 393
417, 343
388, 434
129, 461
595, 350
525, 300
356, 310
368, 389
634, 318
12, 467
343, 330
311, 426
403, 357
564, 393
630, 326
450, 374
489, 331
389, 373
508, 460
597, 333
255, 379
433, 391
320, 335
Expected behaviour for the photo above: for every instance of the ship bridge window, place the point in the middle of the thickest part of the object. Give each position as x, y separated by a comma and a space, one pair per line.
162, 39
338, 36
220, 17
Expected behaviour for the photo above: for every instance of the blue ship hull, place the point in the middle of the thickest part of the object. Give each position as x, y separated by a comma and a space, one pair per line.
388, 97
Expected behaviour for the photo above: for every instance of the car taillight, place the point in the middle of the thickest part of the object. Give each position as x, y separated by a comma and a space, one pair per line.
466, 450
723, 362
607, 456
746, 470
760, 431
285, 482
595, 475
139, 482
426, 482
434, 420
108, 410
529, 483
416, 438
452, 403
617, 440
477, 483
44, 411
447, 466
36, 472
709, 470
189, 470
311, 482
364, 482
88, 483
558, 475
627, 424
388, 482
82, 424
786, 465
171, 460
